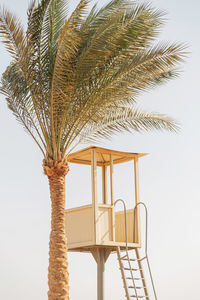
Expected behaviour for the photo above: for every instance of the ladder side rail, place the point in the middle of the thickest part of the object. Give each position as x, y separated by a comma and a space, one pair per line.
126, 242
146, 226
146, 245
123, 274
152, 282
142, 274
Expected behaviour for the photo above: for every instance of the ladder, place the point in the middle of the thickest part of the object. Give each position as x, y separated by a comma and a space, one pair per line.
132, 275
130, 264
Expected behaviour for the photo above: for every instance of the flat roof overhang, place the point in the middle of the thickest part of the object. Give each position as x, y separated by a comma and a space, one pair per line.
103, 156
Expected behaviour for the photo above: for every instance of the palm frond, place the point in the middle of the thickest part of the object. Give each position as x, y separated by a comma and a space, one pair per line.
76, 18
18, 45
51, 29
144, 71
63, 79
14, 87
110, 48
45, 24
63, 73
114, 29
36, 15
121, 119
78, 78
12, 33
45, 21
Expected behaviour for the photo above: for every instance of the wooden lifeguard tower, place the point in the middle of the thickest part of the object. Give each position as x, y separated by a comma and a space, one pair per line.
97, 228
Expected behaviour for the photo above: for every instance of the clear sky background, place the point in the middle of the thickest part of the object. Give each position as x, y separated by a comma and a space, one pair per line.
169, 184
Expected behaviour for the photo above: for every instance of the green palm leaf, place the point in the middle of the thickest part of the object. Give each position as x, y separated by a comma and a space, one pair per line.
119, 119
77, 72
18, 98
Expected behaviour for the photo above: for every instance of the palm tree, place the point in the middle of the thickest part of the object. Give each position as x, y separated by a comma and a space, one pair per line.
75, 79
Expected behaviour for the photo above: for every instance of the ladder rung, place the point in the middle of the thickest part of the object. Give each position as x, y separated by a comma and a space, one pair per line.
131, 259
132, 269
137, 287
123, 257
141, 278
134, 296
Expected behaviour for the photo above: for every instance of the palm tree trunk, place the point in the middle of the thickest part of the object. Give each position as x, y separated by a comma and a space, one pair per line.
58, 277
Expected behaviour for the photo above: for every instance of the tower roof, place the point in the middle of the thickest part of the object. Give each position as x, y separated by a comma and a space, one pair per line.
103, 156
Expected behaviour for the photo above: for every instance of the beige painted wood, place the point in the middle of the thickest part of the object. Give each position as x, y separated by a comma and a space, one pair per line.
104, 224
79, 208
104, 150
97, 225
83, 247
137, 200
119, 160
94, 191
104, 185
78, 225
111, 180
80, 229
80, 161
95, 253
89, 246
120, 226
112, 195
103, 156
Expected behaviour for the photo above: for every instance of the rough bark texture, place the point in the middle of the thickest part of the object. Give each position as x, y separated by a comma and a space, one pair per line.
58, 277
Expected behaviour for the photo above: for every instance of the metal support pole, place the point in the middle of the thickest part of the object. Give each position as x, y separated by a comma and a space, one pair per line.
100, 275
100, 255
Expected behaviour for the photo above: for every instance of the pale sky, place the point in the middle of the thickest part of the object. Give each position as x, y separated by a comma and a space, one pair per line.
169, 185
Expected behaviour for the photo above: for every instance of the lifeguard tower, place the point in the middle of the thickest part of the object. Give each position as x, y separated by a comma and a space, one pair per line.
97, 228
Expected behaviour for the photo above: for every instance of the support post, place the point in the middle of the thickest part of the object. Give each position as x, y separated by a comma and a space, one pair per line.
112, 196
94, 192
137, 236
104, 185
111, 181
101, 255
100, 275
